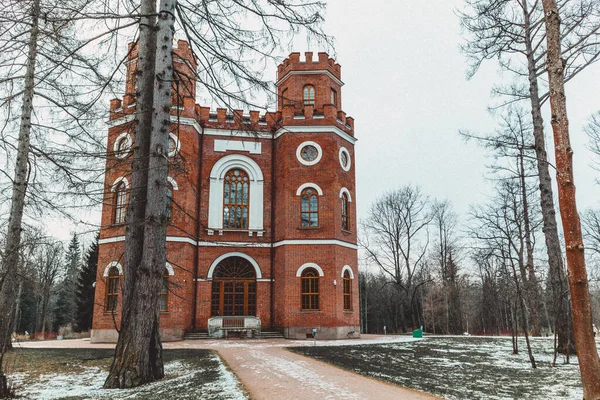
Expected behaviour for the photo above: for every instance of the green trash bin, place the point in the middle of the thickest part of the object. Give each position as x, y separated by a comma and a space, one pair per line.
418, 333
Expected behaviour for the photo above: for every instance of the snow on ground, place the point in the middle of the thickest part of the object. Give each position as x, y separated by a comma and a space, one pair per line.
181, 382
463, 367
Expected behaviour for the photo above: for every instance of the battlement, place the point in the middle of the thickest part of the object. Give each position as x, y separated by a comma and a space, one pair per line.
323, 63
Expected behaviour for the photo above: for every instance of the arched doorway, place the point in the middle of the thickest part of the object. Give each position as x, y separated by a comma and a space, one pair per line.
234, 288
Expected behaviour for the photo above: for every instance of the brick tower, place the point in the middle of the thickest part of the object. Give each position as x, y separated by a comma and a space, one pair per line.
315, 224
262, 229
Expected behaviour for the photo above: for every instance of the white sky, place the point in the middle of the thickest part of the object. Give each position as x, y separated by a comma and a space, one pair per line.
406, 88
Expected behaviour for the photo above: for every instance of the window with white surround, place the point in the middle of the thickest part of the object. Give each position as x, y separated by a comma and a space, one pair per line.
345, 160
229, 196
309, 153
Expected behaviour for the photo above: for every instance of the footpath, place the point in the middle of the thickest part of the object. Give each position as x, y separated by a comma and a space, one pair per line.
271, 372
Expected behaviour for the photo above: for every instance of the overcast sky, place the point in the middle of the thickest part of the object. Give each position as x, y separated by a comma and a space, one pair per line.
406, 88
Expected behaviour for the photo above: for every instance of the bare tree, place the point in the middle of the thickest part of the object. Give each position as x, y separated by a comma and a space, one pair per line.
445, 255
513, 32
396, 240
47, 265
498, 231
587, 353
217, 41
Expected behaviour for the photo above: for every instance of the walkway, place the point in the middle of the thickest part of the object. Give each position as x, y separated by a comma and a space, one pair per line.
269, 371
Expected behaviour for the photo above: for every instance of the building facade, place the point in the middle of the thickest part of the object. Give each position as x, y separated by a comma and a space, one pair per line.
262, 217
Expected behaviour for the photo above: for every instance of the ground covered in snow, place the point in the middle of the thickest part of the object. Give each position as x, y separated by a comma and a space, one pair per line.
78, 374
461, 368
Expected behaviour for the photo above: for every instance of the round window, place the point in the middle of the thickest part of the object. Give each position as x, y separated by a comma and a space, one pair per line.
345, 159
309, 153
122, 145
174, 145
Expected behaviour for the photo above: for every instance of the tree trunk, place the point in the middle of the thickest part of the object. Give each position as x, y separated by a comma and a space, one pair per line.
550, 228
138, 356
587, 353
531, 282
8, 286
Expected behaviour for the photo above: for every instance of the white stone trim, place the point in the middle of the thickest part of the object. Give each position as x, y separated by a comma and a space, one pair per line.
215, 201
309, 185
309, 143
112, 240
124, 154
238, 145
264, 280
177, 144
117, 181
122, 120
169, 268
315, 129
311, 72
315, 242
309, 265
233, 244
214, 264
181, 239
290, 242
235, 133
173, 183
344, 190
347, 268
110, 265
345, 150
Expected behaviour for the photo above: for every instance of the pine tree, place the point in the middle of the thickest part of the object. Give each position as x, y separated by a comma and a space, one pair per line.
84, 291
64, 312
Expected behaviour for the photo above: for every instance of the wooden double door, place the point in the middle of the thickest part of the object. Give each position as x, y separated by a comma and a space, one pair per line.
234, 288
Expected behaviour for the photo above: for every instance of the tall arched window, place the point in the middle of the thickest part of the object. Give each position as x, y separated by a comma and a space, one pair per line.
164, 291
169, 201
120, 201
309, 95
236, 199
310, 289
112, 290
345, 213
347, 291
310, 208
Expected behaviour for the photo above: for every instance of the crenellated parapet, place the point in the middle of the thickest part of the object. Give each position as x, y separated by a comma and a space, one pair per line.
323, 63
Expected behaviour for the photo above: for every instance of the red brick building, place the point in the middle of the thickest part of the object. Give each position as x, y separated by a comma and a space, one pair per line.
262, 218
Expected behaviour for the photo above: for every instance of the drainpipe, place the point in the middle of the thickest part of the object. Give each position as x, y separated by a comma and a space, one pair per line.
197, 250
272, 230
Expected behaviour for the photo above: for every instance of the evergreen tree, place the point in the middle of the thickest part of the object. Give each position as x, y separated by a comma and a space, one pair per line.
64, 311
84, 291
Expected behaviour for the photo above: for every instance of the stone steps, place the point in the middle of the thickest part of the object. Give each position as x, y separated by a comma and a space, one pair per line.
197, 336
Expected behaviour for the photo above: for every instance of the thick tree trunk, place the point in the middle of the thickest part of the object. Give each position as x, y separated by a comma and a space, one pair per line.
555, 262
587, 353
138, 356
8, 271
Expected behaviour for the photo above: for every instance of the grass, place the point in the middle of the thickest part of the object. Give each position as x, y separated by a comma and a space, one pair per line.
77, 374
459, 368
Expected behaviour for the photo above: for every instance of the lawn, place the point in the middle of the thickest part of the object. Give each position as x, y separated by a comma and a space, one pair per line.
461, 368
78, 374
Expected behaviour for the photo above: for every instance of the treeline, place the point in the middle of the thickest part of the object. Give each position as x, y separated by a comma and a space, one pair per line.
55, 292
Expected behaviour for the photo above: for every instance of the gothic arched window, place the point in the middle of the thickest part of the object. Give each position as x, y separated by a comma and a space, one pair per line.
112, 290
309, 95
345, 213
310, 208
236, 199
309, 281
120, 202
164, 291
347, 291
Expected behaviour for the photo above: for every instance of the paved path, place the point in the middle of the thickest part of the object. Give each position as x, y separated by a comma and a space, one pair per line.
269, 371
